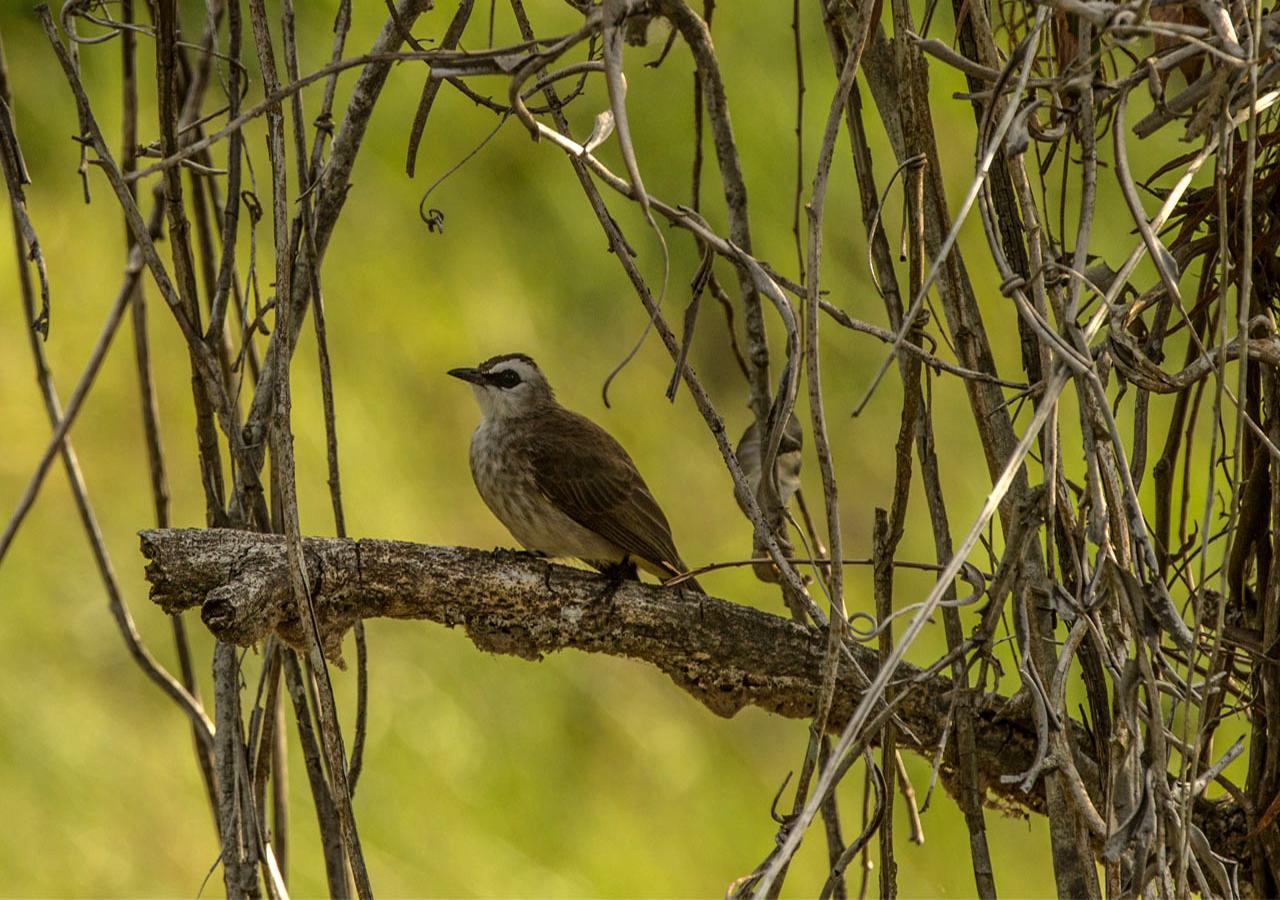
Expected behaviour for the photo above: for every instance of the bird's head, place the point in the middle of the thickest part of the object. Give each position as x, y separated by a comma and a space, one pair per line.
507, 386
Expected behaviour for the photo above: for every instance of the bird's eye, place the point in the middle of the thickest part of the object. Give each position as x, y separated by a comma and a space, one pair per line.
508, 378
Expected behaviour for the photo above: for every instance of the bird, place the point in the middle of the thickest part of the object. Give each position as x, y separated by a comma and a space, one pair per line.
561, 484
787, 483
786, 463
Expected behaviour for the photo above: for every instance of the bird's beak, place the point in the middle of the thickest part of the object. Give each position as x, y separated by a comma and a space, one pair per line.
472, 375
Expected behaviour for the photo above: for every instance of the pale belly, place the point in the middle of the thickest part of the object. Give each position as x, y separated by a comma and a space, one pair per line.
506, 484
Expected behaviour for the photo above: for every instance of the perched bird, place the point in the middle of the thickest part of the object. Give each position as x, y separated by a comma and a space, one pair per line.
559, 482
786, 463
787, 469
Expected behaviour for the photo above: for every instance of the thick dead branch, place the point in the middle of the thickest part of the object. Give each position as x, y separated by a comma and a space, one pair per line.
727, 656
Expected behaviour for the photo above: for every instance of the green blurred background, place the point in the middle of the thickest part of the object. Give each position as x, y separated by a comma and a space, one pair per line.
484, 776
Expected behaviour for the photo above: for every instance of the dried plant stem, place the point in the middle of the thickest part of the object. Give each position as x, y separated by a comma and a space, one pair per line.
281, 440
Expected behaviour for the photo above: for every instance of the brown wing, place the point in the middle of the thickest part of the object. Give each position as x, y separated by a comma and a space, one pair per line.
592, 480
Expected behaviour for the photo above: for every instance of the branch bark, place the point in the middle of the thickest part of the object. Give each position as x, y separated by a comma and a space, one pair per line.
725, 655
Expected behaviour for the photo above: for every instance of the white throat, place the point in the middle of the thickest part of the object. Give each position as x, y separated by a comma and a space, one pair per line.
497, 404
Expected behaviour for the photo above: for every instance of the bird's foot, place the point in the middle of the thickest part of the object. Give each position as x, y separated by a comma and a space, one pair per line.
522, 554
615, 574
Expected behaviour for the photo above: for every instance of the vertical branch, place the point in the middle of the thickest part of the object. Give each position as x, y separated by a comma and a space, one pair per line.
306, 243
362, 706
799, 188
146, 387
836, 849
282, 471
183, 260
837, 623
699, 117
231, 213
882, 553
280, 800
304, 239
901, 97
15, 175
971, 790
889, 527
696, 34
1264, 780
1264, 776
330, 193
239, 849
276, 155
264, 722
326, 811
324, 121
